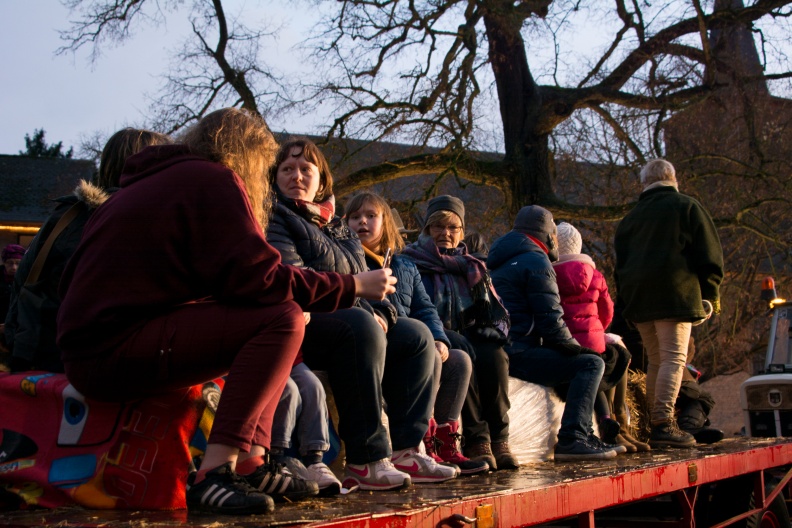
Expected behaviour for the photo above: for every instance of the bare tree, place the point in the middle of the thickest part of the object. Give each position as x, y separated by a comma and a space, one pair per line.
220, 65
420, 69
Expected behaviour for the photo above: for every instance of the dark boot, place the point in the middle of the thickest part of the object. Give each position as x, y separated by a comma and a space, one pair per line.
482, 451
448, 444
668, 434
503, 456
692, 418
608, 430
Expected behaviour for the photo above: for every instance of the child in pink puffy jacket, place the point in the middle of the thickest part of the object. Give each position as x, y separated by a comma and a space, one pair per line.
588, 311
588, 308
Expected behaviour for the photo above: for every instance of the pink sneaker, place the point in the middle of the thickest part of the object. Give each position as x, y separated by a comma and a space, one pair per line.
422, 468
377, 475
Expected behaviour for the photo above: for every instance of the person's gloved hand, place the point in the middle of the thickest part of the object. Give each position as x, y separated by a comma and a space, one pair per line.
492, 334
567, 349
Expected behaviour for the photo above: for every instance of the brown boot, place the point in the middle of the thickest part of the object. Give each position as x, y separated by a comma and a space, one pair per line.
620, 440
482, 451
503, 456
640, 446
625, 427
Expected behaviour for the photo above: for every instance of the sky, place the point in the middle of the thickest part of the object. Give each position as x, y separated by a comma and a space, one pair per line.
71, 98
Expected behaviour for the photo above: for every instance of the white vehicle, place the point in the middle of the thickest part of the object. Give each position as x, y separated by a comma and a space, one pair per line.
766, 398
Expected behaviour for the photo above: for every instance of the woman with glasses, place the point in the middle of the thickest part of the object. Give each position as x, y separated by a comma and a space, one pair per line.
369, 215
461, 290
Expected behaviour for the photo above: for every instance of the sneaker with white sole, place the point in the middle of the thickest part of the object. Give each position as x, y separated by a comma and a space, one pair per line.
378, 475
422, 468
223, 491
579, 449
278, 482
326, 479
598, 442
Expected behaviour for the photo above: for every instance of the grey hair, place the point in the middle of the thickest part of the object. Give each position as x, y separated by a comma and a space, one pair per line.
657, 170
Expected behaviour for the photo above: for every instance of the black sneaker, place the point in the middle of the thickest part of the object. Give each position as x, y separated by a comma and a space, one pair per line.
597, 442
668, 434
223, 491
281, 484
578, 449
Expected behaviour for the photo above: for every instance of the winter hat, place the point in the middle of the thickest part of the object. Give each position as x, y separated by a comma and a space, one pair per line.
446, 203
569, 240
12, 251
538, 222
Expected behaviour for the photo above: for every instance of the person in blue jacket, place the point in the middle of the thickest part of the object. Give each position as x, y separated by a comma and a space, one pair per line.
543, 350
369, 216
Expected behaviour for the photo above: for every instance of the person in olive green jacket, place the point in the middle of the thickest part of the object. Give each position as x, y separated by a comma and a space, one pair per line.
669, 266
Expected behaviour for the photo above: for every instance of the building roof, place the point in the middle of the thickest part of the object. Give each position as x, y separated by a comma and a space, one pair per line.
28, 185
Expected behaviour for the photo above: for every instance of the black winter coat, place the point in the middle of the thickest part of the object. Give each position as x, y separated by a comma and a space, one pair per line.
333, 247
30, 331
668, 258
526, 282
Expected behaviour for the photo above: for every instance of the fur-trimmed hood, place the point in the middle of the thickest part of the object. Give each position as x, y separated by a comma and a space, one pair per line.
90, 194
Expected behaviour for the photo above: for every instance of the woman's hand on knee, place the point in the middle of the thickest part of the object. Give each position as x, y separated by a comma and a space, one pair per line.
376, 284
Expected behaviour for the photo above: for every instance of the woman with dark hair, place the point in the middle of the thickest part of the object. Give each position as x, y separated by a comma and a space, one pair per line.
371, 358
461, 289
174, 284
30, 326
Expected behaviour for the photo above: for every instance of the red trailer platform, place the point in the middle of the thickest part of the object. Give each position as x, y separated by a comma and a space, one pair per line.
703, 486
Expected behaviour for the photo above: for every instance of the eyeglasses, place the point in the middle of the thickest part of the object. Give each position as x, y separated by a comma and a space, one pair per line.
453, 229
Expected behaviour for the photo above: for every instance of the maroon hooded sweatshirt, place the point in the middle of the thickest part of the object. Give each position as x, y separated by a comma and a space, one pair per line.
180, 229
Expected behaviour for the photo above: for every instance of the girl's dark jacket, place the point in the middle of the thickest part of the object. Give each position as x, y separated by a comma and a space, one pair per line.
30, 329
333, 247
668, 258
526, 282
411, 299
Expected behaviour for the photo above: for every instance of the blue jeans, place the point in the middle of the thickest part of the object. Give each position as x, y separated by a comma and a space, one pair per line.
365, 369
302, 407
550, 368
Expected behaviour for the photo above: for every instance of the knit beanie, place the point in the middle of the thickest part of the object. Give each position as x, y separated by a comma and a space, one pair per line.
538, 222
446, 203
569, 240
12, 251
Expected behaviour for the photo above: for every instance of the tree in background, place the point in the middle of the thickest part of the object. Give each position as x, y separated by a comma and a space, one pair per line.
572, 97
36, 147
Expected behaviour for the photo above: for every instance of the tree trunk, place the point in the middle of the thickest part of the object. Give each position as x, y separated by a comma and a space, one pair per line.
527, 148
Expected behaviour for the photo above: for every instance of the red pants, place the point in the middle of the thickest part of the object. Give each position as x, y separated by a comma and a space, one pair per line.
254, 345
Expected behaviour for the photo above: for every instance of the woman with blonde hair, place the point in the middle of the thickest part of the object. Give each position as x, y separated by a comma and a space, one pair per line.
174, 284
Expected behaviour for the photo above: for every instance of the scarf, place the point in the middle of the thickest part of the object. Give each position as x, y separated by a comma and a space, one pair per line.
463, 291
377, 258
319, 213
